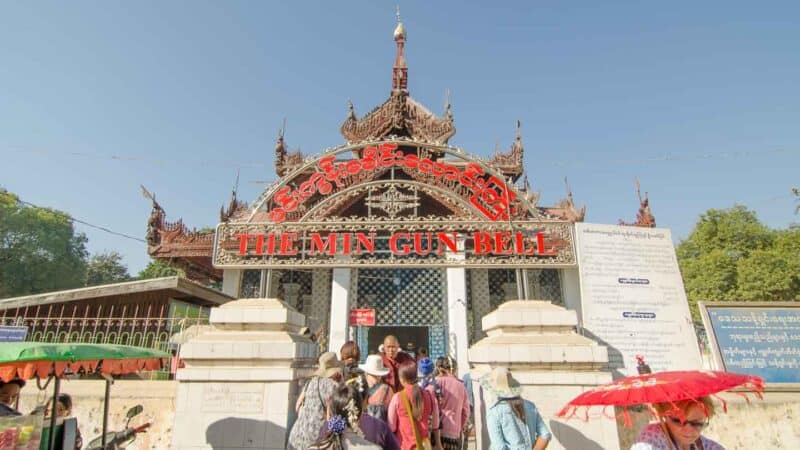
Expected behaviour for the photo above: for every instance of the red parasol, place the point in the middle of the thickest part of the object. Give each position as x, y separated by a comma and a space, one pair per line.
663, 387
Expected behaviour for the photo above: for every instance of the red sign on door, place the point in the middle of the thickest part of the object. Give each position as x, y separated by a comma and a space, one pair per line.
362, 317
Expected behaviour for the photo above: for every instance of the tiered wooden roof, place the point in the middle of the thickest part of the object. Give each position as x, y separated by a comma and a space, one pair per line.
399, 117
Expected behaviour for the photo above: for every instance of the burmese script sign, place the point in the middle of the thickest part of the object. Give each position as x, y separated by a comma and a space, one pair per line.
417, 244
632, 297
758, 338
488, 194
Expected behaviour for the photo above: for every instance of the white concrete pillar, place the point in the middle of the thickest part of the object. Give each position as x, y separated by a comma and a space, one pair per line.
571, 290
340, 308
458, 333
457, 330
231, 279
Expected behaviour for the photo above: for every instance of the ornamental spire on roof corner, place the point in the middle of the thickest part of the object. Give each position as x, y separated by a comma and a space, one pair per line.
400, 70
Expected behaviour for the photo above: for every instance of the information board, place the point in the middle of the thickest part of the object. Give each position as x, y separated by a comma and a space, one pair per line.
13, 333
756, 338
632, 297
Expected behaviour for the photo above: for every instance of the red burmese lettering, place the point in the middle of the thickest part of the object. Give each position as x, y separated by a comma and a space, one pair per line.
411, 161
426, 166
242, 242
318, 247
451, 173
501, 241
446, 241
326, 164
323, 186
277, 215
370, 159
307, 187
287, 244
285, 199
405, 249
439, 169
353, 167
482, 242
365, 241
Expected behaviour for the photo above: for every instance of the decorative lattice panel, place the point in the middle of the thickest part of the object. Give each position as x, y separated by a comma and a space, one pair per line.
479, 301
402, 297
294, 286
502, 286
318, 310
546, 285
437, 341
250, 284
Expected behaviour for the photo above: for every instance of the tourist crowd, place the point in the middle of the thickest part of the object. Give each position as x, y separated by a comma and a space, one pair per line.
402, 400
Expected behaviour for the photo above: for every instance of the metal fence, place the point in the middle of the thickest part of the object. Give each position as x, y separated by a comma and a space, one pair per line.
163, 327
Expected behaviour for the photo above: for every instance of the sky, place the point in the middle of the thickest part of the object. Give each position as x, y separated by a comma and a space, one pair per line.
699, 100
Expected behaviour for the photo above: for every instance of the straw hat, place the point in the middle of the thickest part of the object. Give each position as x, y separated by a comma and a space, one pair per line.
328, 365
501, 384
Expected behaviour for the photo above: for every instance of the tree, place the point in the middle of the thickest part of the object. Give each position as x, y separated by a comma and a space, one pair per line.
730, 255
796, 192
105, 268
40, 249
158, 269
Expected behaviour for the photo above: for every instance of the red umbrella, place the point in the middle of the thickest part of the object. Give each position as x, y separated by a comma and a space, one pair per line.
663, 387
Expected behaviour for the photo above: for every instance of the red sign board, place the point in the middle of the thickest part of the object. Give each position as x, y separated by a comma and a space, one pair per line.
362, 317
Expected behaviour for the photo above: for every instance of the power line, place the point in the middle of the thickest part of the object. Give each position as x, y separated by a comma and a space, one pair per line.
82, 222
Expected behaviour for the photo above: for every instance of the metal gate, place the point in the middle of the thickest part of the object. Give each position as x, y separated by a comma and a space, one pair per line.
404, 298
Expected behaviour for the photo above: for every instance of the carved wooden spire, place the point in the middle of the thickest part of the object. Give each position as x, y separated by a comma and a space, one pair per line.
644, 217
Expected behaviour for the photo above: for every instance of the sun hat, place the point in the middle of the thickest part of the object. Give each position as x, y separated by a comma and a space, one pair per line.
425, 366
328, 365
501, 383
374, 366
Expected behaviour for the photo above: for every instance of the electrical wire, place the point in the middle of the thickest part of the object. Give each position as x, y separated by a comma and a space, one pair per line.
83, 222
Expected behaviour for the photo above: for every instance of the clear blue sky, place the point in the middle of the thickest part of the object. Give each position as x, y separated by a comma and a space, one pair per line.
97, 98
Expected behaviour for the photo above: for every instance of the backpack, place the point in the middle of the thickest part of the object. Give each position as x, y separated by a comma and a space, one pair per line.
378, 411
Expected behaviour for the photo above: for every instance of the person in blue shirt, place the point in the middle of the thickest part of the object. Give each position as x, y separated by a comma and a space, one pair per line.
513, 422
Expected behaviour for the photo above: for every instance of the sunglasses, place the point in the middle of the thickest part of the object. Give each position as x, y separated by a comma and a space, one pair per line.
696, 424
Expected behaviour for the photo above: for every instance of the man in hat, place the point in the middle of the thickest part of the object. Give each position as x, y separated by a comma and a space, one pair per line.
9, 393
392, 358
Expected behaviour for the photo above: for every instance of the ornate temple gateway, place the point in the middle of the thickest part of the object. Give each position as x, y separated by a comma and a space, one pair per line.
394, 226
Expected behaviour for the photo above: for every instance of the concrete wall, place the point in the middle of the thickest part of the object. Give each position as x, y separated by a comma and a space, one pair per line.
157, 398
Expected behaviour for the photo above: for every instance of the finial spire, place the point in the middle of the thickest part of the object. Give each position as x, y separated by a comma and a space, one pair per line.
448, 112
400, 71
351, 111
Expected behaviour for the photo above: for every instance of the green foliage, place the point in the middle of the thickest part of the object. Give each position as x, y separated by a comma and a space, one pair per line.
40, 250
105, 268
731, 256
158, 269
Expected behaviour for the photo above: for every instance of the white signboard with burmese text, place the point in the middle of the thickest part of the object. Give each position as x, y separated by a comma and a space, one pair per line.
633, 299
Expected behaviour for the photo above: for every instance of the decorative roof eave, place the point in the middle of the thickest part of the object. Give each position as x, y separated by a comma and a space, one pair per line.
175, 244
399, 115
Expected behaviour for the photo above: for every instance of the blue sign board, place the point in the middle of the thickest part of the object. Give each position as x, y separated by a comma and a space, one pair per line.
13, 334
762, 341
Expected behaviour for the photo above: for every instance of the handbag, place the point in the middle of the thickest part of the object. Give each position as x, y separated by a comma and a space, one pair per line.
422, 444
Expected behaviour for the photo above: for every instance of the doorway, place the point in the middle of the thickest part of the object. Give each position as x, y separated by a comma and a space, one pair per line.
405, 335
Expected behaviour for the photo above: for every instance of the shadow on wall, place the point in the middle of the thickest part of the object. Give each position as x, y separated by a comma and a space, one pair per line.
570, 438
616, 360
234, 432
